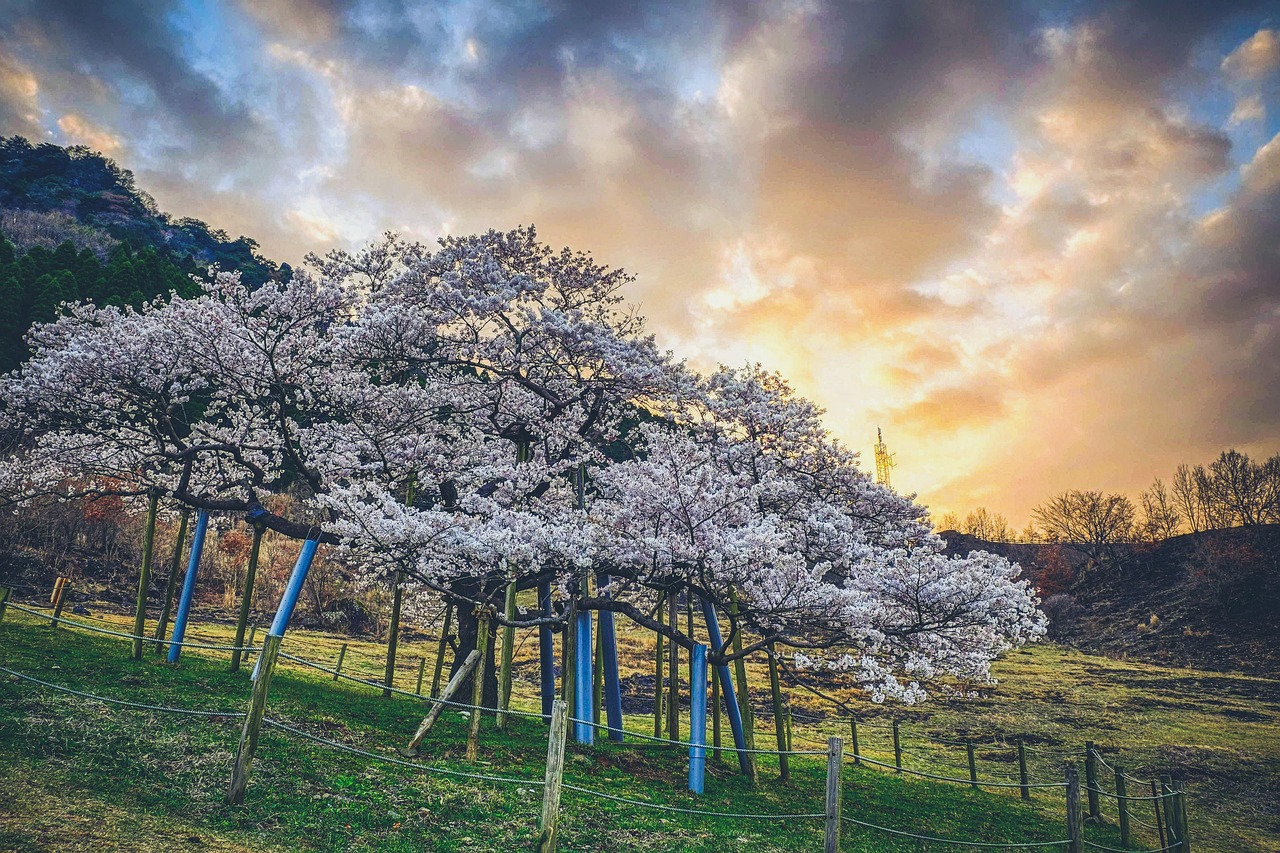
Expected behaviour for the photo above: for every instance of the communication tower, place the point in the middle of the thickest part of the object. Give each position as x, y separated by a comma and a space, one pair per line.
884, 460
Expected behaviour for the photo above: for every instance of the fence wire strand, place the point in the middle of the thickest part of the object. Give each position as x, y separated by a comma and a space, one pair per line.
137, 705
986, 844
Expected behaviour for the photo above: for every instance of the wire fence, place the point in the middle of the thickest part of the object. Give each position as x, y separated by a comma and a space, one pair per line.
862, 757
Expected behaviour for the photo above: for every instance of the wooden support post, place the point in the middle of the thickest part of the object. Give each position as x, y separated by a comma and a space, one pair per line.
1171, 827
1122, 805
469, 665
746, 760
246, 595
555, 772
1091, 781
779, 722
477, 687
1075, 818
715, 713
508, 650
546, 652
673, 672
253, 633
658, 693
1022, 770
569, 658
853, 731
4, 600
697, 718
1155, 803
342, 655
63, 583
835, 763
444, 643
144, 575
973, 767
422, 670
789, 747
1180, 793
897, 747
171, 584
597, 672
253, 721
393, 636
745, 711
189, 588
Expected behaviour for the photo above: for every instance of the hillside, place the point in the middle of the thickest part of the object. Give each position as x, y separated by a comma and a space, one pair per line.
1208, 599
75, 226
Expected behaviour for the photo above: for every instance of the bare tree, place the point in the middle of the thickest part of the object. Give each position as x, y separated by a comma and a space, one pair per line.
987, 525
1160, 518
1186, 497
1088, 521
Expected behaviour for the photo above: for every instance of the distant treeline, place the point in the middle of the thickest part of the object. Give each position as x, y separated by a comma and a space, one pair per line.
75, 226
1232, 491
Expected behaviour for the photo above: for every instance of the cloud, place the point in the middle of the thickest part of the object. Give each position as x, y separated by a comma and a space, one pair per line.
1256, 57
80, 131
19, 104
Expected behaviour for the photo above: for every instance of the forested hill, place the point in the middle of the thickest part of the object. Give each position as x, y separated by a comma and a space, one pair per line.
74, 225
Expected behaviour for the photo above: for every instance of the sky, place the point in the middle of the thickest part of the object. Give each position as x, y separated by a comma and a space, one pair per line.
1037, 244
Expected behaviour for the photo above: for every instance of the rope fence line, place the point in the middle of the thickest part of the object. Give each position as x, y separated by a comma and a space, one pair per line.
1177, 845
980, 783
137, 705
986, 844
94, 629
1117, 797
678, 809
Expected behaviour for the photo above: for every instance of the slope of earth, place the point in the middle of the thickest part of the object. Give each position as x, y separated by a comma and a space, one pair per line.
1208, 599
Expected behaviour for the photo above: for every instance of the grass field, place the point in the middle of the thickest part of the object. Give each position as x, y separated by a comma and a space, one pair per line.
80, 773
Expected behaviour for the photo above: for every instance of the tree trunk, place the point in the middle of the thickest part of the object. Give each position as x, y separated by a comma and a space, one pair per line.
467, 625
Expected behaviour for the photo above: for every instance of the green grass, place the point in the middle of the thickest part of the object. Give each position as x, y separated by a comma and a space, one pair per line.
82, 774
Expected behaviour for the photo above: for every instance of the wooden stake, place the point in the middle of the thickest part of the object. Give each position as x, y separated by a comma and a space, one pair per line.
1091, 781
1075, 818
444, 643
1122, 805
342, 654
422, 669
4, 600
1183, 835
549, 818
745, 710
897, 747
246, 595
171, 585
63, 583
657, 674
253, 722
393, 637
673, 673
469, 664
973, 767
853, 731
835, 762
779, 723
508, 650
715, 713
1022, 770
477, 687
144, 576
1155, 802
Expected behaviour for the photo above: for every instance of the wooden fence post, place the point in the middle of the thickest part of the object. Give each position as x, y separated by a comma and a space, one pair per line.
1075, 819
444, 643
1155, 804
508, 649
779, 723
4, 600
342, 654
171, 584
477, 688
422, 669
246, 596
1122, 805
1022, 770
835, 762
897, 747
1091, 781
973, 767
253, 721
1181, 792
789, 729
144, 576
715, 712
393, 636
658, 693
61, 591
555, 771
673, 671
1170, 811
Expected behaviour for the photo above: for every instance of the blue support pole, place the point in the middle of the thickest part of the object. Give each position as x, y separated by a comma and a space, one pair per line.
697, 718
546, 653
726, 682
291, 592
188, 587
584, 732
612, 685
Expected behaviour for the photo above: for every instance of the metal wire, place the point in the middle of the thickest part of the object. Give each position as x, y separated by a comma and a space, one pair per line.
1176, 845
97, 630
981, 784
139, 705
1130, 797
388, 759
988, 844
752, 815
